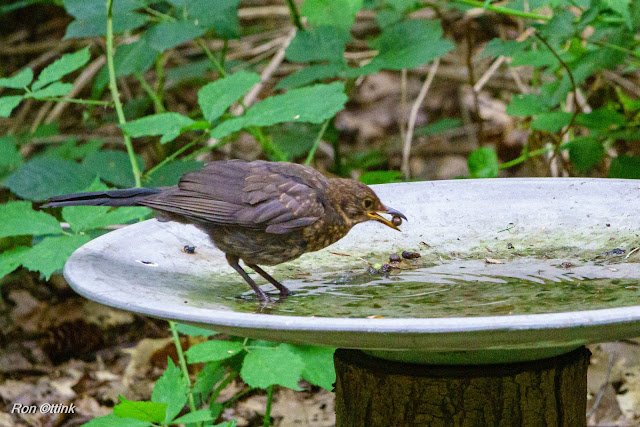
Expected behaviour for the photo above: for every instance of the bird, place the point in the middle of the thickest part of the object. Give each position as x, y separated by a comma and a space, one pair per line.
260, 212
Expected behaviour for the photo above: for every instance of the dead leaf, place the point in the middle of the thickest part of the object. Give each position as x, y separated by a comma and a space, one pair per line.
493, 261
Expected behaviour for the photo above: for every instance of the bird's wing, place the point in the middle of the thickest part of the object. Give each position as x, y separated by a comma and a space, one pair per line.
275, 197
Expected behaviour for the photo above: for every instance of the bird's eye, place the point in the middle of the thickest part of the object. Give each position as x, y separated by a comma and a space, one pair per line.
368, 203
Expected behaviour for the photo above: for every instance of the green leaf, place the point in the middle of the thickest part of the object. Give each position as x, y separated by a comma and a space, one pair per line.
215, 97
96, 25
619, 6
194, 331
133, 58
380, 177
91, 17
171, 389
88, 8
498, 47
526, 105
12, 259
50, 255
70, 151
19, 81
44, 177
602, 118
18, 218
310, 74
63, 66
483, 163
266, 366
8, 103
213, 350
318, 44
144, 411
112, 166
551, 122
535, 58
585, 152
410, 44
168, 34
339, 13
170, 173
169, 125
318, 364
112, 420
208, 377
292, 106
294, 139
221, 15
10, 158
195, 417
560, 28
54, 89
438, 127
623, 166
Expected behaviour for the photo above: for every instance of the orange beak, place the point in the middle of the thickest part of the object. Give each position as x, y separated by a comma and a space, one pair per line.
377, 217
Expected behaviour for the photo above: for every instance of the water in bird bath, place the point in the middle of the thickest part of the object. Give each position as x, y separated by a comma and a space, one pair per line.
450, 289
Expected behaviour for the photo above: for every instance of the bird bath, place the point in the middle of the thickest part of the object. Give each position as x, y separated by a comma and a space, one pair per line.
512, 272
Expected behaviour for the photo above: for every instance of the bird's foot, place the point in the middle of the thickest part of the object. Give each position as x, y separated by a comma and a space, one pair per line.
285, 292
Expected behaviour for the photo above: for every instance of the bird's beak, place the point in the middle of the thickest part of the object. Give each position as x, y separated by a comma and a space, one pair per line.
377, 217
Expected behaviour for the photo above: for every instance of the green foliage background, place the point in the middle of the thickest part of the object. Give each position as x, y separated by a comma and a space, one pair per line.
571, 44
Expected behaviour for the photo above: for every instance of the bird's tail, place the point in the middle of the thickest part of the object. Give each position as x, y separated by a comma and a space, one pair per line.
125, 197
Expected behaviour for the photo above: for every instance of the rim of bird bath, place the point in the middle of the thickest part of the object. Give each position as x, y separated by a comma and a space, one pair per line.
142, 268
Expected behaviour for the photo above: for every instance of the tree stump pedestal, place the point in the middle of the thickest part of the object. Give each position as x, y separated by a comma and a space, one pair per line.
372, 392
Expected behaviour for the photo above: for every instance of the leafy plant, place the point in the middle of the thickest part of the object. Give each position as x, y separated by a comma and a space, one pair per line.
260, 364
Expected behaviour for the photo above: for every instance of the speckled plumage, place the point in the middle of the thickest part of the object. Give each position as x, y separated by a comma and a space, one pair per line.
263, 213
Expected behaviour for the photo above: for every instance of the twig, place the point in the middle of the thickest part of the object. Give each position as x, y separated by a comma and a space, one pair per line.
632, 251
113, 87
603, 387
403, 102
406, 149
83, 79
516, 78
250, 97
576, 106
627, 84
488, 74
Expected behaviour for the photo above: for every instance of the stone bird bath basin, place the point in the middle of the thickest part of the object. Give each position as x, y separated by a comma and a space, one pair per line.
512, 271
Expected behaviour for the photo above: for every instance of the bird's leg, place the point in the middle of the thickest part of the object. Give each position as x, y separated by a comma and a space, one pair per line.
284, 291
233, 262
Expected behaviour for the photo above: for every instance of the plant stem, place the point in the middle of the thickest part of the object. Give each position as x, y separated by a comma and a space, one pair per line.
172, 157
223, 54
316, 143
113, 87
576, 106
212, 58
295, 15
77, 101
525, 156
160, 77
157, 102
183, 363
615, 47
504, 10
266, 422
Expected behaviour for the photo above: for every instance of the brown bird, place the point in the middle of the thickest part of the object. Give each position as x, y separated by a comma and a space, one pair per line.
263, 213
